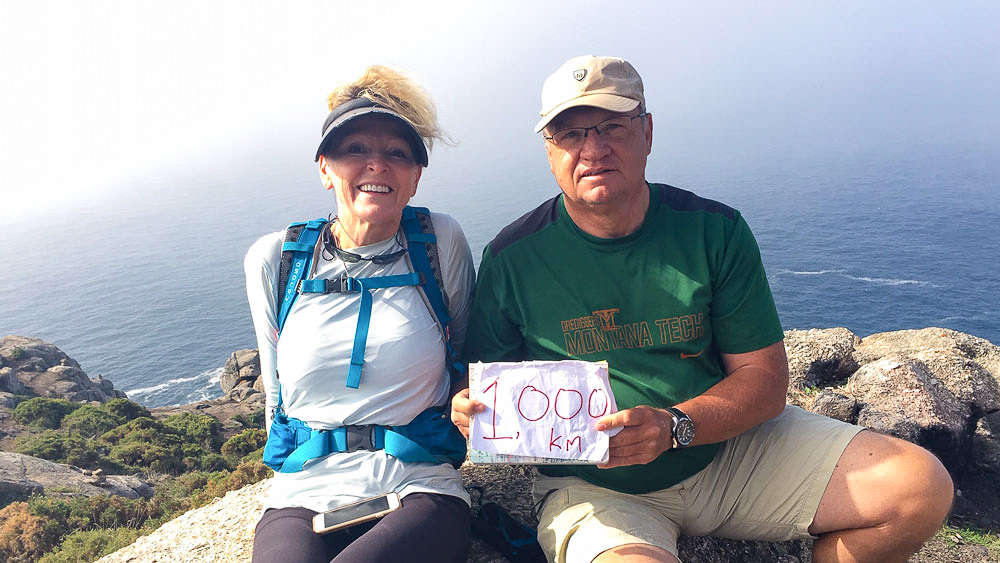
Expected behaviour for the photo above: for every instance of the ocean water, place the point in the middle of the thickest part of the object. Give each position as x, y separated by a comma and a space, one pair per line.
146, 287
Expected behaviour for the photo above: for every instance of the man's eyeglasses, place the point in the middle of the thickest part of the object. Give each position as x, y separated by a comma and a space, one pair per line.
614, 129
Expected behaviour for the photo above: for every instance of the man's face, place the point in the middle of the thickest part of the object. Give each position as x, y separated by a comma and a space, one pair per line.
602, 172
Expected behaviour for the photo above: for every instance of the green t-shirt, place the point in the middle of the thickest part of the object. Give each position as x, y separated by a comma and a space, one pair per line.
659, 305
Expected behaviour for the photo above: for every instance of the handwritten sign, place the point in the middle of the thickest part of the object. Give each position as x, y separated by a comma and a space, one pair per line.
540, 412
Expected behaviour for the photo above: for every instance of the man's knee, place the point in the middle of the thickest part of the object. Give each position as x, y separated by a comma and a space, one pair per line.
927, 490
884, 482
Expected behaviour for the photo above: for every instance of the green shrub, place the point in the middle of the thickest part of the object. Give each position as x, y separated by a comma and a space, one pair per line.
221, 483
200, 429
62, 448
102, 511
164, 456
17, 353
252, 420
237, 448
90, 545
42, 412
125, 409
137, 429
91, 421
213, 462
145, 444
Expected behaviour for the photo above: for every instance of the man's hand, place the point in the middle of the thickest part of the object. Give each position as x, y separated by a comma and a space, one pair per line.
646, 433
462, 409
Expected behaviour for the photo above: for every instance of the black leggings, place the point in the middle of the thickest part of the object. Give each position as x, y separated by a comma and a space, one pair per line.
426, 527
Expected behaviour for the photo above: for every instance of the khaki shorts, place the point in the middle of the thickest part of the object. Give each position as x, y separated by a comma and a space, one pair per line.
765, 484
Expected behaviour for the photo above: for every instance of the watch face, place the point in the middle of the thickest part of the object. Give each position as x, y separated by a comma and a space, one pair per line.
684, 431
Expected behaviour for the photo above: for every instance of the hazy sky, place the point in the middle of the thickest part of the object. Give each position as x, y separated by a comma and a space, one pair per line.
95, 93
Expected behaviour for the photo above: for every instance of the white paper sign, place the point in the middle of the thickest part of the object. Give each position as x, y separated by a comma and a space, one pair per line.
544, 411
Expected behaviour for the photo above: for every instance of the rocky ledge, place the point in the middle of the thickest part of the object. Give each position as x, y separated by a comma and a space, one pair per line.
935, 387
29, 366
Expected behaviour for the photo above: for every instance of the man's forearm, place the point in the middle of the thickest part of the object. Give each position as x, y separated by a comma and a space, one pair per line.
753, 392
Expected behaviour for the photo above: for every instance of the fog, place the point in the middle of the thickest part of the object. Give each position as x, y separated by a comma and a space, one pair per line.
101, 99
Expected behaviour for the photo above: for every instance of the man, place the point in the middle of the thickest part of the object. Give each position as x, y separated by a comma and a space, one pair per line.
669, 288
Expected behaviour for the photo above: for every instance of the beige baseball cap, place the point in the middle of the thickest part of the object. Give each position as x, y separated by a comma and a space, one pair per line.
605, 82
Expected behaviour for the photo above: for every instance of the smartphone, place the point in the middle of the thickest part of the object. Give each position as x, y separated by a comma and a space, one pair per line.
355, 513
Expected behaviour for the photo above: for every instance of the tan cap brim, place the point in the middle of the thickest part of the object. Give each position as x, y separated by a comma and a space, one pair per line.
610, 102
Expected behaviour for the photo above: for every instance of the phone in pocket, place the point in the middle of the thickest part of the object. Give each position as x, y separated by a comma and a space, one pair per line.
355, 513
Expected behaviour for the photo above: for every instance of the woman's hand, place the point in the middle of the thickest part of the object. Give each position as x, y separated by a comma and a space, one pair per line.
462, 409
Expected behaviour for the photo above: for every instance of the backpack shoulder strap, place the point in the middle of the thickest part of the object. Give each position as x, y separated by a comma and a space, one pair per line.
422, 247
424, 255
296, 256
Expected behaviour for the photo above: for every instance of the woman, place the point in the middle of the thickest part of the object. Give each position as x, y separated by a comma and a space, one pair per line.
371, 156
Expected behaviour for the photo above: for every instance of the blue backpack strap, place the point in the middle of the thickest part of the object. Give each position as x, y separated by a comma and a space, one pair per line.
363, 286
297, 254
414, 233
364, 317
421, 259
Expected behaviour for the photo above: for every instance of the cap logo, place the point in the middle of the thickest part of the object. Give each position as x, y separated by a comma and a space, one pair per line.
579, 74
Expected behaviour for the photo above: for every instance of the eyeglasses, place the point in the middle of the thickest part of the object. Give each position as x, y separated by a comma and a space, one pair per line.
614, 129
348, 257
380, 259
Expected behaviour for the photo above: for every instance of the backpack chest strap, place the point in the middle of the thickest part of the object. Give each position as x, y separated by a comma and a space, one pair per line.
345, 284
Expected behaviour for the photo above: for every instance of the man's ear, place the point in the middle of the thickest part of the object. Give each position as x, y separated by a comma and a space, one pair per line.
649, 133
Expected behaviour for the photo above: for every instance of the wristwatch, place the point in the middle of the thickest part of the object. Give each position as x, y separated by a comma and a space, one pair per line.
682, 429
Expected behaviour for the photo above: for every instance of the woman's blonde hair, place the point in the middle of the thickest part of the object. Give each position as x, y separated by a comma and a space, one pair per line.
396, 91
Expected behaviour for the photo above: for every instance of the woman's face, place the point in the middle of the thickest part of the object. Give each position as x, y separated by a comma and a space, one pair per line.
373, 174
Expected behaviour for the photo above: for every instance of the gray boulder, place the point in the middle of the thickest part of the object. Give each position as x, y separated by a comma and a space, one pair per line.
820, 357
902, 397
242, 369
906, 342
835, 405
22, 475
9, 383
41, 369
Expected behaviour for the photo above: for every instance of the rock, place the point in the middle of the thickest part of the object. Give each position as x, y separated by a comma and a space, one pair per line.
718, 550
40, 369
220, 532
22, 475
243, 367
969, 381
33, 352
902, 397
507, 485
835, 405
223, 409
241, 394
904, 342
7, 400
819, 357
9, 383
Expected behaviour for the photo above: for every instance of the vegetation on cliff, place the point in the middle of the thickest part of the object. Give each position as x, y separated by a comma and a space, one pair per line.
185, 454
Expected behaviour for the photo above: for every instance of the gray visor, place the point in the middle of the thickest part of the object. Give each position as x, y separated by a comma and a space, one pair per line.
362, 106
